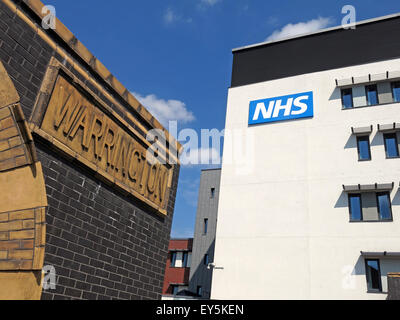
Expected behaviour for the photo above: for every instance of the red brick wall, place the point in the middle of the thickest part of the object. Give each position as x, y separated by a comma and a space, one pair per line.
176, 275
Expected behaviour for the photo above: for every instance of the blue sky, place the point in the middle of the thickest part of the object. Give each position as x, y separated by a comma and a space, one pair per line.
175, 55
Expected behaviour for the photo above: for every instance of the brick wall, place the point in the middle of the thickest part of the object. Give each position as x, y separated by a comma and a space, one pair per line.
102, 245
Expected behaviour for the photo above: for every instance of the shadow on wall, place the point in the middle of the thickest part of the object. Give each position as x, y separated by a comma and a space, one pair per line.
396, 198
336, 94
351, 142
359, 267
377, 140
342, 202
202, 276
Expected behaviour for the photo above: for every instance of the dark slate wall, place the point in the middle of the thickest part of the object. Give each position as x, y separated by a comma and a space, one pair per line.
376, 41
102, 245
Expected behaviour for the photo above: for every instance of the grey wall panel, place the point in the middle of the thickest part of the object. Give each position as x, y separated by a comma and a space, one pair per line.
359, 97
370, 211
385, 92
207, 208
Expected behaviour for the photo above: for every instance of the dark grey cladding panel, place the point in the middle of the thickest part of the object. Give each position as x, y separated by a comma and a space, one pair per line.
369, 42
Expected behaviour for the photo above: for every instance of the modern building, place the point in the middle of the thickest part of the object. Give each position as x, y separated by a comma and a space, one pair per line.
79, 197
316, 214
177, 270
204, 235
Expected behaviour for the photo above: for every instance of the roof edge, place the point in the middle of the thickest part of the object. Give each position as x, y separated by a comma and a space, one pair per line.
259, 44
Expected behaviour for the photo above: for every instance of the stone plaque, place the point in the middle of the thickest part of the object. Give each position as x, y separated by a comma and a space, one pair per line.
73, 120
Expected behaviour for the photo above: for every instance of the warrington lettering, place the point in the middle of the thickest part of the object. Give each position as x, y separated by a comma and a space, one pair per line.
76, 122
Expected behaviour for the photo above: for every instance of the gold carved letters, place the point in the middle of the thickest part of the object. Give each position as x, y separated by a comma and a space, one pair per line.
77, 123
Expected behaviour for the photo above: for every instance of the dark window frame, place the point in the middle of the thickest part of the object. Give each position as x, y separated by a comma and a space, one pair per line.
397, 144
377, 95
173, 261
342, 91
199, 291
185, 259
173, 287
361, 208
212, 193
390, 205
205, 226
380, 276
369, 147
393, 83
206, 259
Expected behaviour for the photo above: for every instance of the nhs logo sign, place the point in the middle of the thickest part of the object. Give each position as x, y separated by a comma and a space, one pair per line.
294, 106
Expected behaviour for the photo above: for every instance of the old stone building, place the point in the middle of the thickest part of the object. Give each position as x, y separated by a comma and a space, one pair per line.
77, 189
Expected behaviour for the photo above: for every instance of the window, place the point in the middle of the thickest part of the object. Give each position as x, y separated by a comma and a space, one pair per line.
384, 206
205, 227
396, 91
373, 272
173, 259
355, 207
205, 260
174, 289
199, 291
347, 98
391, 146
212, 193
371, 92
185, 260
364, 152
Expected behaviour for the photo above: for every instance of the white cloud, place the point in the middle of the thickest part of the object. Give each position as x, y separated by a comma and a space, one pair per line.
210, 2
170, 16
291, 30
166, 110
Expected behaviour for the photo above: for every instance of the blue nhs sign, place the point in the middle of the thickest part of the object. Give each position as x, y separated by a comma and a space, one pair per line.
294, 106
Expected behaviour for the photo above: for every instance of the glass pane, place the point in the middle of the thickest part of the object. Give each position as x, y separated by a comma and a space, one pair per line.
374, 276
396, 92
391, 146
175, 290
347, 98
355, 207
363, 148
384, 206
173, 259
205, 225
185, 259
372, 95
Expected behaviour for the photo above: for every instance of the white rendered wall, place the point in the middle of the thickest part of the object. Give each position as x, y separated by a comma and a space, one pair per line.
283, 228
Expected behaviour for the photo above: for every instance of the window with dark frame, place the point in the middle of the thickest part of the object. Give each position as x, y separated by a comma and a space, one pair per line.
363, 147
355, 207
174, 289
205, 227
373, 273
384, 206
347, 98
205, 260
396, 91
185, 260
391, 145
173, 259
371, 93
212, 193
199, 291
